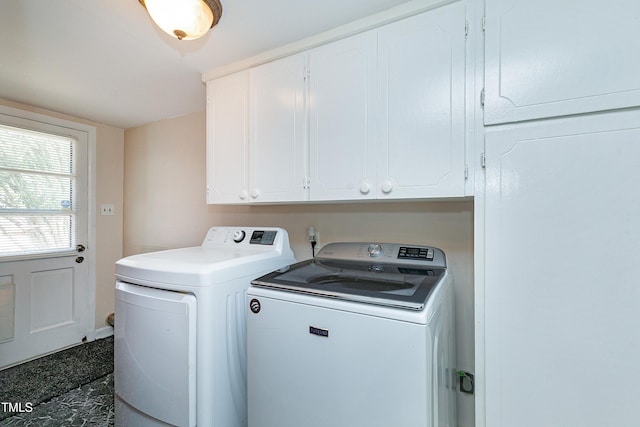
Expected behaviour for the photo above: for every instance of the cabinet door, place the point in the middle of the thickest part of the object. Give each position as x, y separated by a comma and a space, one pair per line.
561, 293
421, 86
550, 58
227, 139
277, 154
342, 119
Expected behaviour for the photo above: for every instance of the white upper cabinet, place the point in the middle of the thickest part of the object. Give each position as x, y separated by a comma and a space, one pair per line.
552, 58
377, 115
276, 126
228, 139
421, 85
342, 106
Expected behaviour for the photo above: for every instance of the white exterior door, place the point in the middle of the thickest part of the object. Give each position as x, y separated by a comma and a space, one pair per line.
46, 295
561, 286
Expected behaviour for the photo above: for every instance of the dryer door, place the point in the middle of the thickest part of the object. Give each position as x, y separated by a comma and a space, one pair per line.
155, 356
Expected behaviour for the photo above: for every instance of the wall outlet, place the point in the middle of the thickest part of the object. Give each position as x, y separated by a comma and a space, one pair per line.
107, 210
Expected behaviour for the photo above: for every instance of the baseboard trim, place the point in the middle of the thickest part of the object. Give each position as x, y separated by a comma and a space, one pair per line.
104, 332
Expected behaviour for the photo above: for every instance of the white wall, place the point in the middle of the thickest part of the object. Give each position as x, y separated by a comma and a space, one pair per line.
165, 208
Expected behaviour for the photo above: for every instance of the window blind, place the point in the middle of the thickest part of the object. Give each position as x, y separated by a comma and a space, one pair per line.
37, 204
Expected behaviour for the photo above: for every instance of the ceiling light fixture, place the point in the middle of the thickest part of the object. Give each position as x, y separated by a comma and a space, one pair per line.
184, 19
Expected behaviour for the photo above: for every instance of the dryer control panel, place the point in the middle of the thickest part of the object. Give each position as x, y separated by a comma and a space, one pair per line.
262, 237
268, 238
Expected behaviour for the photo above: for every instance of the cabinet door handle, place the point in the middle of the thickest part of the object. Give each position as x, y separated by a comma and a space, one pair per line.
387, 186
255, 193
365, 187
243, 194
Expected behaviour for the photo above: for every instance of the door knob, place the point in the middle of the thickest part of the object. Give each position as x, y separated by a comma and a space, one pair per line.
80, 248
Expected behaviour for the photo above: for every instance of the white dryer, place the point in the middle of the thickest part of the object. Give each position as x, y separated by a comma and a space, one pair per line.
360, 336
180, 328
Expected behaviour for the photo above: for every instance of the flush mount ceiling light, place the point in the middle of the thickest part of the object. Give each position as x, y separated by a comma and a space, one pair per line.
184, 19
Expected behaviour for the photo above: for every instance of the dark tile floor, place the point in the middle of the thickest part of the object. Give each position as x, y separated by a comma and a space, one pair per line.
73, 387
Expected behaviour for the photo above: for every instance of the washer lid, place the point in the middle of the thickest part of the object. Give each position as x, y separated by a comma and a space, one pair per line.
407, 287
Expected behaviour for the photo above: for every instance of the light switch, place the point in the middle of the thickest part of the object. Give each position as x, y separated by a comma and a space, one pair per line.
107, 210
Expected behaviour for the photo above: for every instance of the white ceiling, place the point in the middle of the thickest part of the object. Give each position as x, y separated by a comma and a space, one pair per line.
105, 61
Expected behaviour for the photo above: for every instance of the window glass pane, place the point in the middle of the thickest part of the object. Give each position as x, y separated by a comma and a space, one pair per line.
36, 192
22, 234
35, 151
27, 191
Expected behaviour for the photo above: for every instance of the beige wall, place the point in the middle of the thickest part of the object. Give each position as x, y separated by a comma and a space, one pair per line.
109, 189
109, 229
164, 185
165, 207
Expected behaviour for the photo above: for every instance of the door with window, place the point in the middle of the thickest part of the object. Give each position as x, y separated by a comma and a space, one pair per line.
45, 298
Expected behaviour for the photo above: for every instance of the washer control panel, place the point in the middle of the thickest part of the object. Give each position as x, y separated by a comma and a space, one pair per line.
416, 253
393, 253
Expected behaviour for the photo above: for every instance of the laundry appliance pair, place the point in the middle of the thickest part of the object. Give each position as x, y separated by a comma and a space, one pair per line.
234, 333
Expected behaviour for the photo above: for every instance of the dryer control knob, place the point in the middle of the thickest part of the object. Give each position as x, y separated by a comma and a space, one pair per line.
238, 236
374, 250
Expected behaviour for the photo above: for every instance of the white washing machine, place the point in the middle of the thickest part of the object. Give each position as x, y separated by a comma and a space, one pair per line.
360, 336
180, 328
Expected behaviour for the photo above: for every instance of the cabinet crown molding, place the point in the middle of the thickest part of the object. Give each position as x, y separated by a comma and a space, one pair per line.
379, 19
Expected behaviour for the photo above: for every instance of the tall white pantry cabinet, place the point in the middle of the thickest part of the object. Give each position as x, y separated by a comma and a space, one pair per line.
558, 312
